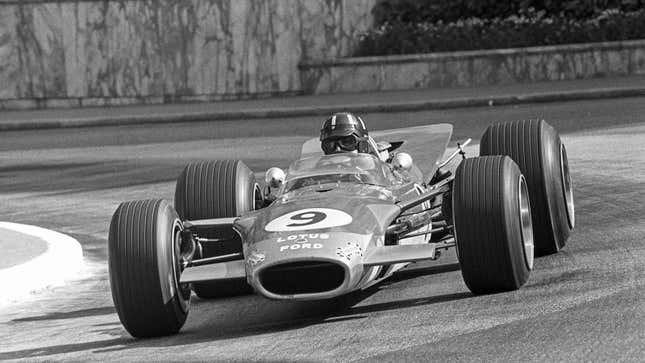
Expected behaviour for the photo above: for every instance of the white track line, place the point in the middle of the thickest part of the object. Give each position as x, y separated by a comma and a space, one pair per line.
62, 260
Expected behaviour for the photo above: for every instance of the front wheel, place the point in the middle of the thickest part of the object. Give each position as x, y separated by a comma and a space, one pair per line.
492, 224
144, 268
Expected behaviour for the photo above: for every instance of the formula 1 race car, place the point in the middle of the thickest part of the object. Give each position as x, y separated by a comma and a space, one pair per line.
334, 224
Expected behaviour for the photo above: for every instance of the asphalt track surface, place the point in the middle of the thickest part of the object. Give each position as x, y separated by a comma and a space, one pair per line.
586, 303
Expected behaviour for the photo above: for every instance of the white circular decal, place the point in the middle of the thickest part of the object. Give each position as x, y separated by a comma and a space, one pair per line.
306, 219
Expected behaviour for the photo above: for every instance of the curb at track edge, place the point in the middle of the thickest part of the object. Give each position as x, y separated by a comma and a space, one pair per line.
61, 261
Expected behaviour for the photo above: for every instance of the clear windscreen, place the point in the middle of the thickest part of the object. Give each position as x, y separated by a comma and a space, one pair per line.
334, 170
330, 181
426, 144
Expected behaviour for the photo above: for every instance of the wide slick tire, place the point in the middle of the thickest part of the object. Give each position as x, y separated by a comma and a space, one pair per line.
492, 224
217, 189
144, 268
542, 157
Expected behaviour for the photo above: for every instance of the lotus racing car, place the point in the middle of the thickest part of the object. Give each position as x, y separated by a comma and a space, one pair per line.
334, 224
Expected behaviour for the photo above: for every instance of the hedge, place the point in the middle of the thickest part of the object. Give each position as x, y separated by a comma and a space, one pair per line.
532, 28
423, 11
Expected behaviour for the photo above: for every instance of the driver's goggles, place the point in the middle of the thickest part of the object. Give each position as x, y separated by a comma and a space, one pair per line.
345, 143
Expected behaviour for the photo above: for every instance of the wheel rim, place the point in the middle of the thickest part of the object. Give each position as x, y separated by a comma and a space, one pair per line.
257, 197
183, 290
526, 224
567, 186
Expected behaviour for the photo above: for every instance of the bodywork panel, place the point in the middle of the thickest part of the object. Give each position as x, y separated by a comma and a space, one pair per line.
325, 233
216, 271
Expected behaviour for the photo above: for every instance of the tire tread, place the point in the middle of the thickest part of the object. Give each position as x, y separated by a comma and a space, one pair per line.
524, 142
489, 262
134, 276
209, 189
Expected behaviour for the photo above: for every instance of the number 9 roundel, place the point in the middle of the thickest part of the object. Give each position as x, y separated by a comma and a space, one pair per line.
306, 219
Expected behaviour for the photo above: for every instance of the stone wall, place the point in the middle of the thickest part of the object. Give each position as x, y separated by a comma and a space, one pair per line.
101, 52
474, 68
62, 53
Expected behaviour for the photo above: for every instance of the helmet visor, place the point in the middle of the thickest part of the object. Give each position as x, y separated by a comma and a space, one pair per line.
340, 144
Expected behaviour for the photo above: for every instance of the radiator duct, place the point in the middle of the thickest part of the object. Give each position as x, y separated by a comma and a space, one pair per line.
302, 277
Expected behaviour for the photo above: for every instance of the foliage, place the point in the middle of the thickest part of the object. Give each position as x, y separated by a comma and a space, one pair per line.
417, 11
530, 28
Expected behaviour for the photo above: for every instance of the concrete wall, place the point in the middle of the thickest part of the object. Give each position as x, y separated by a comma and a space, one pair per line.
58, 53
486, 67
69, 53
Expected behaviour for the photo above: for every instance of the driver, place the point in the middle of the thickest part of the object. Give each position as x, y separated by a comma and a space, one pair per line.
345, 132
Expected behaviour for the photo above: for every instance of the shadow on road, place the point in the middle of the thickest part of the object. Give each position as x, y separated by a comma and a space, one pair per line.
240, 317
62, 349
69, 314
410, 273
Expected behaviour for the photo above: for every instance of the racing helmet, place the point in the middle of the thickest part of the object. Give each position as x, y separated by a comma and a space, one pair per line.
342, 131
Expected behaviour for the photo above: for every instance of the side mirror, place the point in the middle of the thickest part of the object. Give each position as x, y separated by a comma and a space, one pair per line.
274, 177
402, 162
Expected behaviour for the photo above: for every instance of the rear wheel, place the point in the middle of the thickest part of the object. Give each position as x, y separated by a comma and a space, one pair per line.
492, 224
218, 189
536, 148
145, 267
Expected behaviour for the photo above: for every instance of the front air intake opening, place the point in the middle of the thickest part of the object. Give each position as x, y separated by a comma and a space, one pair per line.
303, 277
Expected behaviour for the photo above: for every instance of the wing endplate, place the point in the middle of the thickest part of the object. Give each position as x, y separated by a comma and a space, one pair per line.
387, 255
216, 271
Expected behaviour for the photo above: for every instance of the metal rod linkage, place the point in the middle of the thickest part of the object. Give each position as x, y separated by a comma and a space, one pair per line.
460, 150
436, 189
434, 230
216, 259
207, 240
419, 212
446, 244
